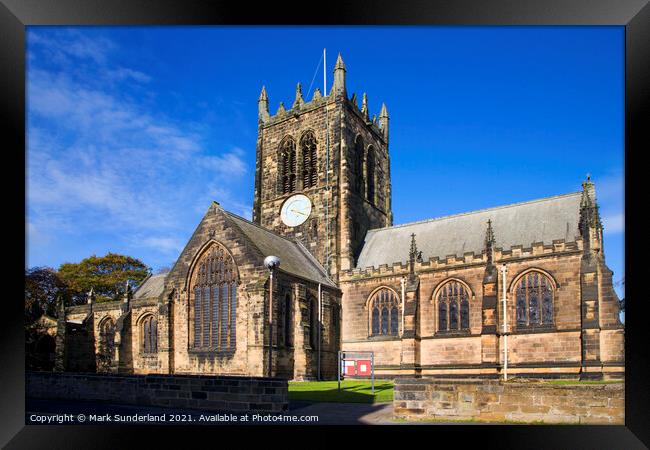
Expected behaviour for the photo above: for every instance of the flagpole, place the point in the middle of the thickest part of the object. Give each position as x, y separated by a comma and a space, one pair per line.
324, 72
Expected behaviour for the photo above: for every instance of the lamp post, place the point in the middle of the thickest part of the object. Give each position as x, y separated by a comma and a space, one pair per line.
271, 262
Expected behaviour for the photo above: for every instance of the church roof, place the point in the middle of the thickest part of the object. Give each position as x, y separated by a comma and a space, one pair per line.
542, 220
294, 257
152, 286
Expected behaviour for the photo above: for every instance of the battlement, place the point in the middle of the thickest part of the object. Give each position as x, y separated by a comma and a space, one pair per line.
514, 253
337, 93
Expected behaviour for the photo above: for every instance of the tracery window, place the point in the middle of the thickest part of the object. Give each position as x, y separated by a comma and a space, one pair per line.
214, 305
106, 350
288, 320
370, 175
453, 307
313, 322
534, 300
357, 165
288, 166
149, 334
335, 324
309, 160
384, 313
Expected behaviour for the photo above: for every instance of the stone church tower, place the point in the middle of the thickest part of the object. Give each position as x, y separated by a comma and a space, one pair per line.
332, 158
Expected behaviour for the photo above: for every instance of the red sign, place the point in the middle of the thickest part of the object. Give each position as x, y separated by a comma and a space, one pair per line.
363, 367
350, 369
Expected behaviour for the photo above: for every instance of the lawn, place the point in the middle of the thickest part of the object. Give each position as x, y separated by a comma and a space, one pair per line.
352, 391
582, 382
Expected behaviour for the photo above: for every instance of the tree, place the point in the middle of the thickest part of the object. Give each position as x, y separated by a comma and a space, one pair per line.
42, 288
106, 275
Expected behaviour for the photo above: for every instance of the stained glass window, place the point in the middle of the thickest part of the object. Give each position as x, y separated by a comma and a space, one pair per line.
393, 321
453, 307
215, 301
384, 310
464, 314
375, 321
442, 316
534, 293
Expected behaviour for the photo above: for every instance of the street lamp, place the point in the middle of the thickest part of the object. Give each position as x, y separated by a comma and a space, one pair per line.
271, 262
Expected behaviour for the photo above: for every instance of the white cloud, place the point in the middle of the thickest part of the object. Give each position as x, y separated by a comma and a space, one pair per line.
610, 192
614, 223
171, 245
99, 161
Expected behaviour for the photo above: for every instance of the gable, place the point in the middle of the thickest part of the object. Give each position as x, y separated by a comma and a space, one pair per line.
249, 244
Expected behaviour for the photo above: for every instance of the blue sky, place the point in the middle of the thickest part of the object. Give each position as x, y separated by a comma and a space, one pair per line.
133, 131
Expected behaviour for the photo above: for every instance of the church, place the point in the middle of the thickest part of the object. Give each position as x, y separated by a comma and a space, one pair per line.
520, 290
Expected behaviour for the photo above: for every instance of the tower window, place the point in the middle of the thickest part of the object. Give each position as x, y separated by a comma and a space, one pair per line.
287, 166
357, 165
309, 160
370, 175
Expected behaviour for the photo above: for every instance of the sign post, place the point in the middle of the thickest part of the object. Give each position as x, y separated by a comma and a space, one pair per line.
356, 364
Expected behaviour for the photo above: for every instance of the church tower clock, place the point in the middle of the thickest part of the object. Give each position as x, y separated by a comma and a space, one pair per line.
322, 172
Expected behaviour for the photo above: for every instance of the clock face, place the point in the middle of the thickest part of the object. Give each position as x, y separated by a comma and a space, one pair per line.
295, 210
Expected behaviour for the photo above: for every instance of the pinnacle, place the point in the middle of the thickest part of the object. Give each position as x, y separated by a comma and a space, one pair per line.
263, 95
339, 63
384, 110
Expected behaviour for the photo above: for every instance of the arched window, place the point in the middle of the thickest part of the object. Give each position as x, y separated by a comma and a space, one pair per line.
214, 306
106, 350
149, 334
335, 325
370, 175
534, 300
384, 313
309, 160
357, 165
288, 320
313, 322
287, 166
453, 307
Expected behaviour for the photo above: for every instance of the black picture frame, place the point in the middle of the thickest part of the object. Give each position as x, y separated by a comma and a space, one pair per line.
634, 15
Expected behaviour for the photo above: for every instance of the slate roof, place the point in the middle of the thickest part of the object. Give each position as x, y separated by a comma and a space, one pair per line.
294, 257
152, 286
542, 220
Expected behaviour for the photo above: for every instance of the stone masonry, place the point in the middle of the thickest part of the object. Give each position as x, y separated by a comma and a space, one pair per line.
493, 401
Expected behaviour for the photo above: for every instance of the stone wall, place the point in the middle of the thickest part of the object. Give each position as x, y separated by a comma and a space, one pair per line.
181, 391
493, 401
555, 351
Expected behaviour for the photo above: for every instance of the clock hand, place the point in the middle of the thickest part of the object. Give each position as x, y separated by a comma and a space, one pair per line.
302, 213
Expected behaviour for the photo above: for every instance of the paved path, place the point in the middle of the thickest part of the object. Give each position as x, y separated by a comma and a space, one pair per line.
346, 413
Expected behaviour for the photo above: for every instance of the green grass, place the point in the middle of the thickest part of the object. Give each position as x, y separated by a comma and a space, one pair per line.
583, 382
477, 421
352, 391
